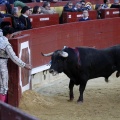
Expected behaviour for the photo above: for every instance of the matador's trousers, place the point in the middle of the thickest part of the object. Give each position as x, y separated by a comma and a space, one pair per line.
3, 76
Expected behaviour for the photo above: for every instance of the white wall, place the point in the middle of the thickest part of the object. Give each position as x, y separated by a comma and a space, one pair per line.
44, 78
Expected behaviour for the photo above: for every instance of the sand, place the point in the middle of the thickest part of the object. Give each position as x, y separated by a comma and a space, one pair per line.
50, 102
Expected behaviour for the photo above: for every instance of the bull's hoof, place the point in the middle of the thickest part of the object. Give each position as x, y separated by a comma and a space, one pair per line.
70, 100
106, 80
79, 102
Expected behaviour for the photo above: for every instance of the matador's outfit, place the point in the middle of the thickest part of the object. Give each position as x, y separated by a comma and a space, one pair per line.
6, 52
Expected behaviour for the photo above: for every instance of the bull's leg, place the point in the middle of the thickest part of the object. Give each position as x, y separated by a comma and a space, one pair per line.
117, 74
81, 89
71, 85
106, 79
118, 70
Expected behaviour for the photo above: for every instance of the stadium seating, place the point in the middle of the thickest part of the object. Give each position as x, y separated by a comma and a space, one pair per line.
38, 20
75, 16
110, 13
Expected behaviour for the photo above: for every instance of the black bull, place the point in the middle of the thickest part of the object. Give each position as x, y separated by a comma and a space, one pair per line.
84, 63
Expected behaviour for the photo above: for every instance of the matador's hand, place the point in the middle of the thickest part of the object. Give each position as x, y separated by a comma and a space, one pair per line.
28, 66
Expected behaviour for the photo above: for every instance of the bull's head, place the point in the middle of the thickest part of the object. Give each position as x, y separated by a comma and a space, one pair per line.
57, 61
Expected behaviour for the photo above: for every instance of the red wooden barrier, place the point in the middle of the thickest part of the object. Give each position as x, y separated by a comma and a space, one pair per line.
110, 13
75, 16
19, 78
8, 112
38, 20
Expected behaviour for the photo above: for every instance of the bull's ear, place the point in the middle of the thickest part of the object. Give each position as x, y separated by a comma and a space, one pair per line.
63, 54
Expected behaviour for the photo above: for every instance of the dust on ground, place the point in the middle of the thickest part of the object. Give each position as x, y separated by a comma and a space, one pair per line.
101, 101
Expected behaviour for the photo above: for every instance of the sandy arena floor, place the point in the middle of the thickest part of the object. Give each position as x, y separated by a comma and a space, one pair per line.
101, 101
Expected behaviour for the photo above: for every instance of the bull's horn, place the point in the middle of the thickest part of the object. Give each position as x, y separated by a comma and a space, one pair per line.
64, 54
46, 55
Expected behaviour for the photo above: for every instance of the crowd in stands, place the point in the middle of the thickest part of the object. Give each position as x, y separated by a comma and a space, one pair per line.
20, 12
82, 6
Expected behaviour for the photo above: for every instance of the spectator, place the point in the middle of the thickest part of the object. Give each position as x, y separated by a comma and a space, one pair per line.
8, 10
16, 23
8, 31
46, 8
69, 7
77, 7
85, 16
24, 17
88, 5
83, 7
115, 4
37, 10
98, 8
106, 4
6, 51
7, 25
19, 4
30, 11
